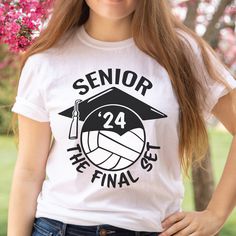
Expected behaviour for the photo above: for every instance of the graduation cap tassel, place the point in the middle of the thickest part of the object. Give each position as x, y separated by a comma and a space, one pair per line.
75, 120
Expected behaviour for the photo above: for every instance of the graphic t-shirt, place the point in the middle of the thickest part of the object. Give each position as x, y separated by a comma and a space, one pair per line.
114, 118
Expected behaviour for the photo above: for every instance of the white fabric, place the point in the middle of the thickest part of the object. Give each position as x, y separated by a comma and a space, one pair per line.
215, 90
126, 136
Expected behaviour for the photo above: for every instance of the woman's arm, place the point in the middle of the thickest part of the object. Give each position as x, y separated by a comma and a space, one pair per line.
224, 197
210, 221
29, 173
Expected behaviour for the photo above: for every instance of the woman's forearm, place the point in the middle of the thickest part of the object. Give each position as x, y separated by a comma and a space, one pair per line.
22, 204
224, 198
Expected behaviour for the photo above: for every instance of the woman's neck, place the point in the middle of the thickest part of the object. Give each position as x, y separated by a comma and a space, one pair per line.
108, 30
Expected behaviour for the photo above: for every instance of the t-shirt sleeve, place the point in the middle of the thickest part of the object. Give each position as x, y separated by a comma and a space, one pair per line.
29, 100
214, 90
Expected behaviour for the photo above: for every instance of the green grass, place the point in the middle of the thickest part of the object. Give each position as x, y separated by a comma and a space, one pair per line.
7, 161
220, 143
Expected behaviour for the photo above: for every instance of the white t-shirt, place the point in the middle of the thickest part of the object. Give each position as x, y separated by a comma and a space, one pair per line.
114, 118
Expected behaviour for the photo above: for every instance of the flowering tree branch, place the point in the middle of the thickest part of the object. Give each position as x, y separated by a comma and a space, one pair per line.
20, 21
190, 19
211, 29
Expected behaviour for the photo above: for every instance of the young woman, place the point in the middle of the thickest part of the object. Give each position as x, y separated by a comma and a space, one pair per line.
125, 91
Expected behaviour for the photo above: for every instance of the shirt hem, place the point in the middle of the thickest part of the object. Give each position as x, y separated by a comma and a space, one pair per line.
67, 220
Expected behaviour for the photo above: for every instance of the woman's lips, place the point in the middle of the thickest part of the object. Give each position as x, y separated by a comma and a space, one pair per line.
113, 1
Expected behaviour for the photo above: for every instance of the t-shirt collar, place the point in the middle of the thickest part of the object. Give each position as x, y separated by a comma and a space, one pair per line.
106, 45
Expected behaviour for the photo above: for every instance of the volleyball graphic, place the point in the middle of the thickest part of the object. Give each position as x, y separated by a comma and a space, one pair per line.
109, 151
118, 139
112, 135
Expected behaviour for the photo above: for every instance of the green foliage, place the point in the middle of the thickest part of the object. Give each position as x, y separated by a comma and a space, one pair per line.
7, 162
6, 101
220, 142
8, 86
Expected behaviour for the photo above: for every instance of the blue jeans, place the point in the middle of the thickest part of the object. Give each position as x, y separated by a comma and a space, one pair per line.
48, 227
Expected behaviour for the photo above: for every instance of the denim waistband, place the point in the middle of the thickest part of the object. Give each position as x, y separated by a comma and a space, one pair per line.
96, 230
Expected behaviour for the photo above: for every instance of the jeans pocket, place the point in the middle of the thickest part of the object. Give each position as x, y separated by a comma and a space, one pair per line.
42, 228
40, 231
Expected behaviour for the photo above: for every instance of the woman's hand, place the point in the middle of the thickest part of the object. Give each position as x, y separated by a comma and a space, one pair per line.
198, 223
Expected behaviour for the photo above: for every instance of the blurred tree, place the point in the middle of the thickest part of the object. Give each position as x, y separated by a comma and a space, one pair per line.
215, 21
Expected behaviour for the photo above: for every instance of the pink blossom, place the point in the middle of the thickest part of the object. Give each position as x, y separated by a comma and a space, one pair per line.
20, 20
227, 37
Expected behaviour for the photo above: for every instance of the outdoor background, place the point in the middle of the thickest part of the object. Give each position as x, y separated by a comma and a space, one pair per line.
21, 22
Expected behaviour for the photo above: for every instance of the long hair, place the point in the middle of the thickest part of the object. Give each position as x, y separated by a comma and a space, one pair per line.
154, 32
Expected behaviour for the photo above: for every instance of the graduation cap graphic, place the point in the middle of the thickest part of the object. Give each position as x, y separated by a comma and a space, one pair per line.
112, 135
111, 96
